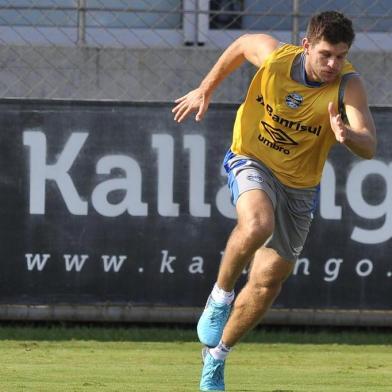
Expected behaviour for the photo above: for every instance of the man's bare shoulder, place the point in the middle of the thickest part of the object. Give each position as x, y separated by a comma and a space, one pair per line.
257, 47
355, 90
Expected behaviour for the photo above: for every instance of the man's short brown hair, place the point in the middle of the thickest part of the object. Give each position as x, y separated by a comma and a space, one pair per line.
332, 26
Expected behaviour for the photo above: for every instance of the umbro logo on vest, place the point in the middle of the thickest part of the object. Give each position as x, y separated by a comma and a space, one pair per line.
278, 136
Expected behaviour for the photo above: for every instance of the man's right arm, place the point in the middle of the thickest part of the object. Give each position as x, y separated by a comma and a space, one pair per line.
254, 48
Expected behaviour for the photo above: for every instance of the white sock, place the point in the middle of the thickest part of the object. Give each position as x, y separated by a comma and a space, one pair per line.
220, 351
221, 296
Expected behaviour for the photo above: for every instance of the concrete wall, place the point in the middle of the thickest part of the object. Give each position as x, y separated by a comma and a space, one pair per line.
145, 74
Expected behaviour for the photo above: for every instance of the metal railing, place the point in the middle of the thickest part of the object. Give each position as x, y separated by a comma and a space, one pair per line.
156, 50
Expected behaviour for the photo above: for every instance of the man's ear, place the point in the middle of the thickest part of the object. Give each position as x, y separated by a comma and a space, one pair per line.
305, 44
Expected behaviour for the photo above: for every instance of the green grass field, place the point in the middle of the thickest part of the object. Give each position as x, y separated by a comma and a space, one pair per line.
60, 358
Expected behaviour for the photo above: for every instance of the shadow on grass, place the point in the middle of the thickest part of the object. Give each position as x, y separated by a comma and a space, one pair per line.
187, 333
255, 390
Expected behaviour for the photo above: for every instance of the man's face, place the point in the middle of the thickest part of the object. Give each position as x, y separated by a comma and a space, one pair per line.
324, 61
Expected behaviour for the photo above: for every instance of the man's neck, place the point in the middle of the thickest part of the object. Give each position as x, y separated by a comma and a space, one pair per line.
309, 77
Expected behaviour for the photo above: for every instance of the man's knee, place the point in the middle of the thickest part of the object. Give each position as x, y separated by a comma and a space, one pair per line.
269, 268
257, 230
256, 294
268, 278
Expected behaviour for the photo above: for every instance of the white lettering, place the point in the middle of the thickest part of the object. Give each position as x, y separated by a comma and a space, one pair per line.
332, 268
132, 184
302, 261
112, 262
197, 266
328, 207
366, 210
364, 267
165, 147
58, 172
74, 262
197, 152
166, 262
36, 261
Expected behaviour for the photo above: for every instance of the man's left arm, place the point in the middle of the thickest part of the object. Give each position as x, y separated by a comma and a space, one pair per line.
359, 135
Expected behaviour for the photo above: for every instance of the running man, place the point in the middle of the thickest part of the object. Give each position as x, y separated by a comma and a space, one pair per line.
302, 100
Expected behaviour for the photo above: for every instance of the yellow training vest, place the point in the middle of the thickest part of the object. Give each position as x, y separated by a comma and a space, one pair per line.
285, 124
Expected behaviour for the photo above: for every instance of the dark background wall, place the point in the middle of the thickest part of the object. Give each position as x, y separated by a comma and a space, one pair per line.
116, 204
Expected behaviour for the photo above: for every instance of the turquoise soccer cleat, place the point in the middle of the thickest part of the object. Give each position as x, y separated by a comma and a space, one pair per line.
212, 377
212, 321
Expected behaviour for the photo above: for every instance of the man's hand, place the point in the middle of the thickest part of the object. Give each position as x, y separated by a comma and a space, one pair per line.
337, 125
252, 47
195, 100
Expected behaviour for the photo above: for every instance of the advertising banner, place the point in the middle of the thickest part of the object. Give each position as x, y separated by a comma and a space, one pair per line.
115, 203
